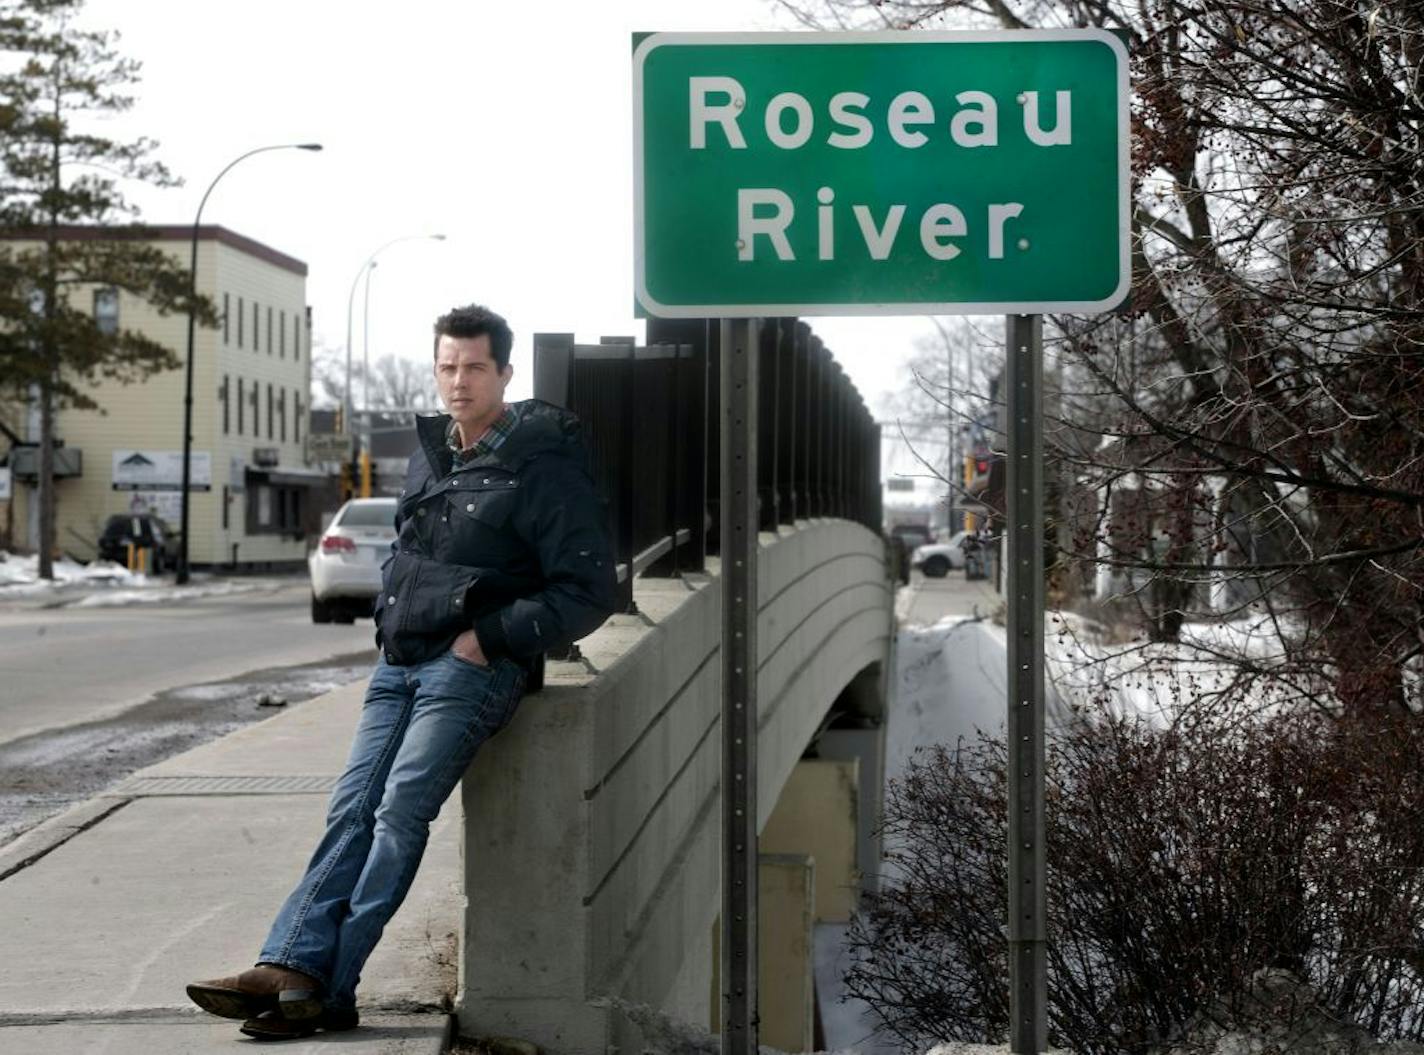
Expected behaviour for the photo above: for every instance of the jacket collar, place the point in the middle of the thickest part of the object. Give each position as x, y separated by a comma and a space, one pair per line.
540, 427
431, 431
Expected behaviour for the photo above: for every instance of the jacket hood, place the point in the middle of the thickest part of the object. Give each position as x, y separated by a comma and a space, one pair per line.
541, 428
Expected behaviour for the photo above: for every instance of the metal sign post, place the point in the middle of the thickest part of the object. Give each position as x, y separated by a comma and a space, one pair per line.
1028, 898
739, 695
796, 174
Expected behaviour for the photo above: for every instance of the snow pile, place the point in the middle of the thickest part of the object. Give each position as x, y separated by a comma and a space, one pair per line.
101, 584
904, 602
1281, 1013
1154, 680
951, 683
20, 575
951, 678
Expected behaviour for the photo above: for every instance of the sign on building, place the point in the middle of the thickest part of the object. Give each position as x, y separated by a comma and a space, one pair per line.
880, 173
330, 446
161, 471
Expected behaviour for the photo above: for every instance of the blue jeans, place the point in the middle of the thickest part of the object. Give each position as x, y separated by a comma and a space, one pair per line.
420, 727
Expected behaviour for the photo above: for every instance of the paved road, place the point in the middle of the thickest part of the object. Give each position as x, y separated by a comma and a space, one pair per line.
63, 666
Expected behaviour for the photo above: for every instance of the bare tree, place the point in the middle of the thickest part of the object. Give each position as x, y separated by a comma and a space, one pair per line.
1250, 431
1259, 404
944, 411
394, 383
398, 383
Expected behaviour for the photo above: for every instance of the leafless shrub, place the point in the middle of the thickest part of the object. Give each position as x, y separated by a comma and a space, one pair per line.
1184, 861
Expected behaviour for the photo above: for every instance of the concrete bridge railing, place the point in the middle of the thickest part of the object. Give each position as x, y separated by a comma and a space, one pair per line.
593, 824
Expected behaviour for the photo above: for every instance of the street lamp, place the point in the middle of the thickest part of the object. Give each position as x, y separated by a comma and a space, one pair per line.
188, 378
350, 307
366, 340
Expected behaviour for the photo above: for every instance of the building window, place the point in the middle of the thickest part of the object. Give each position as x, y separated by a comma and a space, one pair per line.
226, 407
256, 323
106, 310
225, 316
256, 417
296, 416
269, 410
282, 334
274, 510
269, 330
282, 414
296, 335
241, 405
239, 322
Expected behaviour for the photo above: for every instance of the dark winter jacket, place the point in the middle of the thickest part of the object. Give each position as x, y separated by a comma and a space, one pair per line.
514, 544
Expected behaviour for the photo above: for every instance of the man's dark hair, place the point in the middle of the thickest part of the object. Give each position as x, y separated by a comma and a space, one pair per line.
475, 320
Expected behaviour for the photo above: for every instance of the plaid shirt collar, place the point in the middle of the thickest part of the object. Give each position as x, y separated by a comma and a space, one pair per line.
488, 441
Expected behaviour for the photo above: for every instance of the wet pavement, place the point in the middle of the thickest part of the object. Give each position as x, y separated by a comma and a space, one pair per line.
44, 774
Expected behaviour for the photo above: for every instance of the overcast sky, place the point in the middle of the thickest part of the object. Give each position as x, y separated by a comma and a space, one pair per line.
505, 127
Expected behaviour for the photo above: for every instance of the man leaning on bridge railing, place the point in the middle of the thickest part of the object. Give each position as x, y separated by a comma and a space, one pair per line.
502, 554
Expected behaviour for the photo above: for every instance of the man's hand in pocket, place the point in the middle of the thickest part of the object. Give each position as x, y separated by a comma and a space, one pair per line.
467, 647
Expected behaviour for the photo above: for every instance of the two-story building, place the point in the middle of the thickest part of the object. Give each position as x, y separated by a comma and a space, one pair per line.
254, 499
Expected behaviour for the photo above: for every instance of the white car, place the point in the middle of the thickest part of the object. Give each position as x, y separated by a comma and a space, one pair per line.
346, 564
937, 558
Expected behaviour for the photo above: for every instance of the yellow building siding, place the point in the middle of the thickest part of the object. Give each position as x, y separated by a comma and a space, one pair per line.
148, 416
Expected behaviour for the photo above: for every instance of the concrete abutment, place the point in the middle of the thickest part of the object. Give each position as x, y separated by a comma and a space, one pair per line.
592, 823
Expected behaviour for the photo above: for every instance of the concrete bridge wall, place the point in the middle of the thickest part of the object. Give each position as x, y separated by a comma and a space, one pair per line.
593, 824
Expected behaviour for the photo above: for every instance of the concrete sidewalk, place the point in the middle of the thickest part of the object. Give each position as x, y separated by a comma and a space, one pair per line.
926, 601
108, 910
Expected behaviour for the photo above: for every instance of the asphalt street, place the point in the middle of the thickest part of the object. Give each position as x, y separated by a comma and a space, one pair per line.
89, 695
63, 666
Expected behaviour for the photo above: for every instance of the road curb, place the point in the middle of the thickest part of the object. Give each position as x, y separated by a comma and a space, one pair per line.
53, 833
169, 1031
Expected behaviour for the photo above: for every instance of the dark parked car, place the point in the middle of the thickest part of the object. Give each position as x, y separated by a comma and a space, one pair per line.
912, 535
140, 529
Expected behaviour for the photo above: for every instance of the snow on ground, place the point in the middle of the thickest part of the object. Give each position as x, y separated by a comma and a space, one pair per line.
99, 584
951, 677
1155, 680
20, 575
904, 602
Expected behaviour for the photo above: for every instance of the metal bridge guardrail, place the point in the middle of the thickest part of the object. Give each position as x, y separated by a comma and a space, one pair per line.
651, 420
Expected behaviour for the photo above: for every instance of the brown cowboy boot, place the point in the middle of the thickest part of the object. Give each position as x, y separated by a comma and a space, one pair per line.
265, 987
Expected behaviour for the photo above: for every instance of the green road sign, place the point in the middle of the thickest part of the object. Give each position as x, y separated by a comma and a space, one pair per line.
880, 173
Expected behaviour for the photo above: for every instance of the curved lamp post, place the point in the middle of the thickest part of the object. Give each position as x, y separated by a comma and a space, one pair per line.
188, 378
346, 416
